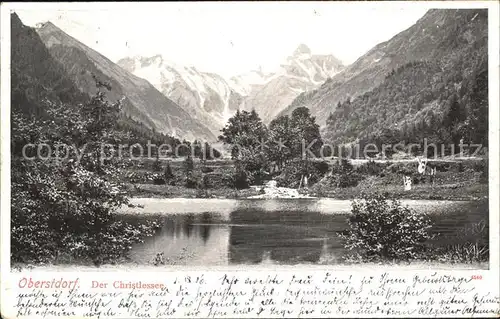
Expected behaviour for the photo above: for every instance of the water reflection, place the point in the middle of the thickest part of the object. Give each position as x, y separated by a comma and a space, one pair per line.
285, 237
265, 233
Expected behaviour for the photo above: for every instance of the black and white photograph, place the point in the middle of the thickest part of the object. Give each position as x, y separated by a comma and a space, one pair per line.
247, 135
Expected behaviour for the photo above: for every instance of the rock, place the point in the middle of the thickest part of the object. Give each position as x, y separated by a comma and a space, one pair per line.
271, 191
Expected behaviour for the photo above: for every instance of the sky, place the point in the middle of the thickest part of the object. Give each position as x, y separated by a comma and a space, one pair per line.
228, 38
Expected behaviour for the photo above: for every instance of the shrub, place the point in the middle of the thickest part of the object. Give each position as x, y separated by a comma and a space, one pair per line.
343, 166
158, 179
227, 179
167, 173
293, 172
191, 181
344, 175
240, 177
478, 166
345, 180
188, 164
484, 172
206, 169
417, 178
370, 168
205, 182
442, 167
482, 167
156, 166
322, 167
403, 168
380, 229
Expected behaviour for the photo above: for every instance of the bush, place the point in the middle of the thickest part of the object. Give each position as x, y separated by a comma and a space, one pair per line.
167, 173
482, 167
484, 172
403, 168
158, 179
343, 166
240, 178
322, 167
344, 180
293, 172
370, 168
192, 181
384, 230
442, 167
417, 178
344, 175
156, 166
206, 169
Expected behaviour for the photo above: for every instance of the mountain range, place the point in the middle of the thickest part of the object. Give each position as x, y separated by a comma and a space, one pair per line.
212, 99
142, 101
438, 36
300, 72
430, 81
188, 103
206, 96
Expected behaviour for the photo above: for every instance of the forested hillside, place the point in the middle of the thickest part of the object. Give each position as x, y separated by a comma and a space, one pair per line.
418, 100
35, 75
141, 100
416, 75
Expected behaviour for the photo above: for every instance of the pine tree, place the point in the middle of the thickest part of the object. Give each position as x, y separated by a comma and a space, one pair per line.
167, 172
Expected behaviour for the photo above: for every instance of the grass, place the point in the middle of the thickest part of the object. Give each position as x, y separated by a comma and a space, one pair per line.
439, 192
457, 182
463, 253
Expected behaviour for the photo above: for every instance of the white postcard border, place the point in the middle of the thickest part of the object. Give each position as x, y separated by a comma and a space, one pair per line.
494, 189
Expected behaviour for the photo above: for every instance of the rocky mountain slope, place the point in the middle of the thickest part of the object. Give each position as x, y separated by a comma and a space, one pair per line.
206, 96
212, 99
141, 100
302, 71
35, 75
440, 36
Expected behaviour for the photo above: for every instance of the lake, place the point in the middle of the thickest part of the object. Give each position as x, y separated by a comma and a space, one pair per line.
218, 232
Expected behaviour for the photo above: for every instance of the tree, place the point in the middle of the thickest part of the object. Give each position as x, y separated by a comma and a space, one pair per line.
453, 112
305, 134
240, 176
207, 152
66, 204
477, 111
188, 169
244, 130
167, 173
248, 136
280, 141
156, 163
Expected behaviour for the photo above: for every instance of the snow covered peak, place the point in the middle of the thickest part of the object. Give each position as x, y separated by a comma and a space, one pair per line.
243, 83
206, 96
302, 49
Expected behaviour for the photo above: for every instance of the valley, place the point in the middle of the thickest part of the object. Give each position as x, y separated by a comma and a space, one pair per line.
258, 152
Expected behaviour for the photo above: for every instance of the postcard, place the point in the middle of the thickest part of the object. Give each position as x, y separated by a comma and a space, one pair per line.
250, 159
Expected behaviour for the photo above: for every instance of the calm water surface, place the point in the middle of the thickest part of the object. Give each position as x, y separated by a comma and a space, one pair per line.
278, 231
